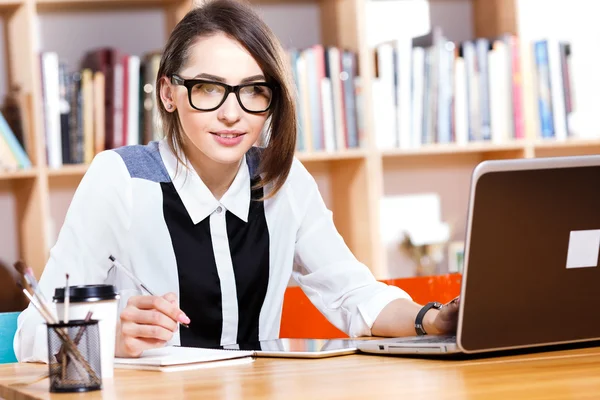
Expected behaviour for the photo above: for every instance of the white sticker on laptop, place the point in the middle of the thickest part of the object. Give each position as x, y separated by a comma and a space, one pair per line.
583, 249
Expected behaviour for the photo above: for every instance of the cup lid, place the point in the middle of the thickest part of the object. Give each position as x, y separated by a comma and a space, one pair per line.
84, 293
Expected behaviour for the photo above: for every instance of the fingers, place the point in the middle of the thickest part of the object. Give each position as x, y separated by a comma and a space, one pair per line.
454, 301
148, 317
447, 319
147, 322
129, 344
156, 332
162, 304
450, 310
134, 347
171, 297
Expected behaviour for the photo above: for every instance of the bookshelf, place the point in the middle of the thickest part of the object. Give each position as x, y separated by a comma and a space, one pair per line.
7, 4
74, 170
18, 175
455, 150
354, 180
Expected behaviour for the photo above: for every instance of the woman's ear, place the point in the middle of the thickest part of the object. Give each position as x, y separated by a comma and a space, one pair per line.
167, 94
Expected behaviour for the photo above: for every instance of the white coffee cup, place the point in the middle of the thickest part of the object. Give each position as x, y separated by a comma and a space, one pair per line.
102, 301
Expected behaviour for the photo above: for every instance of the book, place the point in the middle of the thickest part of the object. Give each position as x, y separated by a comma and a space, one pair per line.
13, 145
175, 358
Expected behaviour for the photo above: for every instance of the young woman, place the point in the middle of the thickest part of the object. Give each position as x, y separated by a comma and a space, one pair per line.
214, 224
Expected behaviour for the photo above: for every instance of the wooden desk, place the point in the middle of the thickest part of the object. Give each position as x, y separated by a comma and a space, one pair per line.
568, 374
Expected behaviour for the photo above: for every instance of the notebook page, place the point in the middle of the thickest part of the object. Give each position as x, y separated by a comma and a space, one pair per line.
175, 355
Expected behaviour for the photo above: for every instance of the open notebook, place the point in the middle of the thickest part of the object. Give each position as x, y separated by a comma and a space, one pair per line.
183, 358
170, 359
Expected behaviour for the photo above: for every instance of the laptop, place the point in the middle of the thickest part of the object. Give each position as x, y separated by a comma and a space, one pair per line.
531, 276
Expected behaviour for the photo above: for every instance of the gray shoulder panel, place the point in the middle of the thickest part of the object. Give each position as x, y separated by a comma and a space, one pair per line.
253, 157
144, 162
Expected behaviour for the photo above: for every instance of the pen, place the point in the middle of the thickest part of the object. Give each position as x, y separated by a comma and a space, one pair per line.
135, 279
67, 300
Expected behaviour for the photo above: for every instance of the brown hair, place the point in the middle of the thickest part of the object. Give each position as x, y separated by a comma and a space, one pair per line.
241, 23
12, 298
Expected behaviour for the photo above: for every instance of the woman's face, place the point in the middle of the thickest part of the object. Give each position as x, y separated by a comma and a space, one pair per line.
225, 134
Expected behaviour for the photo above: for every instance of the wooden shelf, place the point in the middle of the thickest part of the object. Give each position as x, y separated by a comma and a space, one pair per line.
331, 156
7, 5
68, 170
16, 175
569, 143
11, 2
569, 147
453, 148
111, 3
91, 5
69, 5
591, 146
80, 169
279, 2
425, 151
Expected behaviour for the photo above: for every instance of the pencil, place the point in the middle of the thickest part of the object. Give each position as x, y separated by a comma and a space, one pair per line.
130, 275
135, 279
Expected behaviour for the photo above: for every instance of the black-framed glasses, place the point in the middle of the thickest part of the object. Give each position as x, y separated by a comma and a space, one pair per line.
205, 95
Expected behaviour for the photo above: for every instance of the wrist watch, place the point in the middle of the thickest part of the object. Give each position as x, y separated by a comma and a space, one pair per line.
421, 314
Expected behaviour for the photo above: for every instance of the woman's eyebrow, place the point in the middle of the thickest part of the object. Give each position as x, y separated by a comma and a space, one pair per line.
253, 78
211, 77
221, 79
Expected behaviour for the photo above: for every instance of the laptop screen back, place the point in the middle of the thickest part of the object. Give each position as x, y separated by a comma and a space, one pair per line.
532, 276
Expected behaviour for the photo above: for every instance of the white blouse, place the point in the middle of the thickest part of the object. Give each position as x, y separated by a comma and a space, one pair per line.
229, 261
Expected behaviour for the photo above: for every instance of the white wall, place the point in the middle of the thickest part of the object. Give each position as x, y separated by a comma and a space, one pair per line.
455, 17
577, 22
296, 25
387, 20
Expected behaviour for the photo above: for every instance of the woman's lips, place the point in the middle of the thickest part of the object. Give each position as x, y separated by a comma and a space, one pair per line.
228, 138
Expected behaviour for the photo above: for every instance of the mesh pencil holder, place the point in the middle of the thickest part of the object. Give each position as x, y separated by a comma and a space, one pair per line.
74, 356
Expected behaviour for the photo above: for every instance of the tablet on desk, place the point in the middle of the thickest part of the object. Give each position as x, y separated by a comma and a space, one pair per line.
298, 348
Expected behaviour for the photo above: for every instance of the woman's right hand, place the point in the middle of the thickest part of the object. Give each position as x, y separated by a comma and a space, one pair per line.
147, 322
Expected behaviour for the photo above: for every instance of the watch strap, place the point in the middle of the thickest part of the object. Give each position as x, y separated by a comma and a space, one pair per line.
419, 320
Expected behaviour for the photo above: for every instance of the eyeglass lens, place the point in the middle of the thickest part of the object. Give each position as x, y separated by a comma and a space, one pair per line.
209, 95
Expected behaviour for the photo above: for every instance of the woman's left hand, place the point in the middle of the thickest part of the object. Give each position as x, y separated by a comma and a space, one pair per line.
446, 320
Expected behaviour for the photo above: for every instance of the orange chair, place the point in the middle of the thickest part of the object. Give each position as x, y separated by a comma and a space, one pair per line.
301, 319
